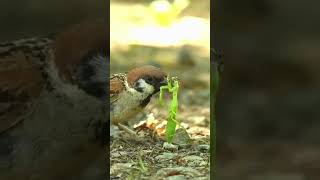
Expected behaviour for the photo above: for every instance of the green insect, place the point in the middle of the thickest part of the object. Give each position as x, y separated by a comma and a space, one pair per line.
173, 88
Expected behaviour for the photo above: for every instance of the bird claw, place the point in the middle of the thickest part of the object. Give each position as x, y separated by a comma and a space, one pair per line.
129, 131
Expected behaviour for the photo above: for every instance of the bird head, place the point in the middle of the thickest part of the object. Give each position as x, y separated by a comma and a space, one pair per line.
147, 79
81, 57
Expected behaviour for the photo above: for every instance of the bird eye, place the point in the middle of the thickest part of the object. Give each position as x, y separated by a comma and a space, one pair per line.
149, 79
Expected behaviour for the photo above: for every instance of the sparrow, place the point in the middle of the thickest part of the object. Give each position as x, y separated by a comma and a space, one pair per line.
131, 92
53, 98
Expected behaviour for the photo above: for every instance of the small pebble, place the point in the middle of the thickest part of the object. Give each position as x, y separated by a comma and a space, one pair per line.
166, 156
193, 160
203, 147
170, 147
178, 177
186, 171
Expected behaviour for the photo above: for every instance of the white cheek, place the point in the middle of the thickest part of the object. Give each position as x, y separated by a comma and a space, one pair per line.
147, 88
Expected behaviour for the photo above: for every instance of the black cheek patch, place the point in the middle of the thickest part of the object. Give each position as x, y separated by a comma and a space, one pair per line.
88, 81
137, 87
86, 71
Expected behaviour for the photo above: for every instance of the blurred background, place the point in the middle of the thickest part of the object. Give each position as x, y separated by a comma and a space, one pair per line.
169, 33
175, 36
29, 18
267, 110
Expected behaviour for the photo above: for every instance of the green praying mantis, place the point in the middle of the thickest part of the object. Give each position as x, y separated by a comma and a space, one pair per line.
173, 88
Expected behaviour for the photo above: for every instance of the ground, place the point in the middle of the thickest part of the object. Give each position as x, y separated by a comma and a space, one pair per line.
147, 157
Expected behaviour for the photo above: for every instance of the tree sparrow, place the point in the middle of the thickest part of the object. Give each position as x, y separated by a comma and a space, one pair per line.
131, 92
53, 110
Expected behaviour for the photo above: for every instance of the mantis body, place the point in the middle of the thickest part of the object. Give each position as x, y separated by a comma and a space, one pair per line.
173, 88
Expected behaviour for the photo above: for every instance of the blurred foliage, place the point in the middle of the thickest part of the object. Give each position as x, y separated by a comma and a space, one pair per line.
165, 12
159, 24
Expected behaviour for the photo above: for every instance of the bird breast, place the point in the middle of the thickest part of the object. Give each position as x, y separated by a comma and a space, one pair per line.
127, 105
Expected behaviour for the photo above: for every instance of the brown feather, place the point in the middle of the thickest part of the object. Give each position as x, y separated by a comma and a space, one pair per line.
77, 42
116, 86
20, 80
137, 73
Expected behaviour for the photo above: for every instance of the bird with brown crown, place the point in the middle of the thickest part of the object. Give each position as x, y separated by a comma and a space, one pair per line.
131, 92
53, 94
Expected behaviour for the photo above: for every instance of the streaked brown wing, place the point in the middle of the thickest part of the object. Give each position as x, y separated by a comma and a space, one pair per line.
116, 87
20, 80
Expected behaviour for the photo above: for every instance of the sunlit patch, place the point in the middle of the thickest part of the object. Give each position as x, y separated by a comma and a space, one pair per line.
188, 30
161, 6
144, 28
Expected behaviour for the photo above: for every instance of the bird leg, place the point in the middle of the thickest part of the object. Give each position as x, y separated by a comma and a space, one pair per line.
127, 130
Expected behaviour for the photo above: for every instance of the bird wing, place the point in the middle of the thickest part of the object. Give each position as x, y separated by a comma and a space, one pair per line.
116, 87
20, 78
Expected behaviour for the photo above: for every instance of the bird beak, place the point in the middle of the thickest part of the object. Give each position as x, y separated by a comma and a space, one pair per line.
163, 82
